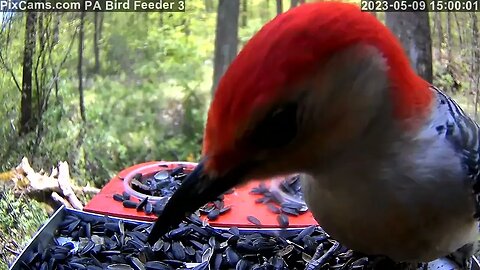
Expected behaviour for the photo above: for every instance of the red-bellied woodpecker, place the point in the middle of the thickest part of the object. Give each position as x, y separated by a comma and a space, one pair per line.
391, 162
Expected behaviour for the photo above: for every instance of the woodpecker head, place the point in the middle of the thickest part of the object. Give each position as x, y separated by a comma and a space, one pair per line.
307, 85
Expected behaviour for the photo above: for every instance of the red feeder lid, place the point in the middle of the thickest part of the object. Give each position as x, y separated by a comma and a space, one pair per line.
242, 202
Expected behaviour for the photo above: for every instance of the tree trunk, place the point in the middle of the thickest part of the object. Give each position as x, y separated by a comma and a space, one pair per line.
449, 38
26, 118
450, 68
244, 13
41, 33
38, 66
56, 29
80, 65
293, 3
265, 11
186, 26
279, 7
413, 30
98, 24
459, 30
208, 5
474, 60
438, 27
226, 38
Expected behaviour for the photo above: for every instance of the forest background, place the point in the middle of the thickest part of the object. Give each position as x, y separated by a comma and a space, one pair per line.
104, 91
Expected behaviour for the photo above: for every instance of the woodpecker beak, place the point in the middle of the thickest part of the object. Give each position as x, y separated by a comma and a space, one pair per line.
195, 191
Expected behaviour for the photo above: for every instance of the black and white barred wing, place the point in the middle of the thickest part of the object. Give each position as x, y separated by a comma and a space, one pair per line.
463, 132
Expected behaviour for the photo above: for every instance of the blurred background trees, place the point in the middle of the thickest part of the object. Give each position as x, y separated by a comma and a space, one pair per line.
226, 36
413, 30
104, 91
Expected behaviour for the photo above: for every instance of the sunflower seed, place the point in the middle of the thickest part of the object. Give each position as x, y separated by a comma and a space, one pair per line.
262, 200
190, 251
178, 251
232, 256
157, 265
177, 171
125, 195
129, 204
137, 264
148, 208
282, 220
87, 248
201, 266
119, 266
225, 209
217, 263
161, 175
273, 208
290, 211
219, 204
213, 215
142, 204
207, 255
254, 220
118, 197
243, 265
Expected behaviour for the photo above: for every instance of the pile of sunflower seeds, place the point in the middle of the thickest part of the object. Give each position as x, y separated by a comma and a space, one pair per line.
292, 186
163, 184
105, 243
276, 203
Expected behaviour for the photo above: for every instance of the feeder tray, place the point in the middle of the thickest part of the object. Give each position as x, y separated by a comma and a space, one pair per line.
44, 240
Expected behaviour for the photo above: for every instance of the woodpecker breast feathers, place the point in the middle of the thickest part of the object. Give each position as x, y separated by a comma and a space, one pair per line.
390, 163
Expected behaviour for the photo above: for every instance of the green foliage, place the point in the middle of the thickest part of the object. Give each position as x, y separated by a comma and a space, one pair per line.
20, 218
147, 102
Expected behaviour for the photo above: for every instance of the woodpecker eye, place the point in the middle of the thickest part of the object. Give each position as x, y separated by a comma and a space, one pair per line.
277, 129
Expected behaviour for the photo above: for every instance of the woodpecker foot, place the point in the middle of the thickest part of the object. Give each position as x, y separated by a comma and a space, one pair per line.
318, 259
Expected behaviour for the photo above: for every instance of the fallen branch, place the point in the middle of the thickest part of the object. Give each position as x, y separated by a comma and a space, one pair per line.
57, 182
59, 199
86, 190
66, 187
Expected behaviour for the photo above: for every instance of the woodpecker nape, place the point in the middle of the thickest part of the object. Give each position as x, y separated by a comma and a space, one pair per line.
390, 162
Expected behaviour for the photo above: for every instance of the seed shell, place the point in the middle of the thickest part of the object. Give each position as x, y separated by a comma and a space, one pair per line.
283, 220
213, 215
254, 220
118, 197
142, 204
129, 204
